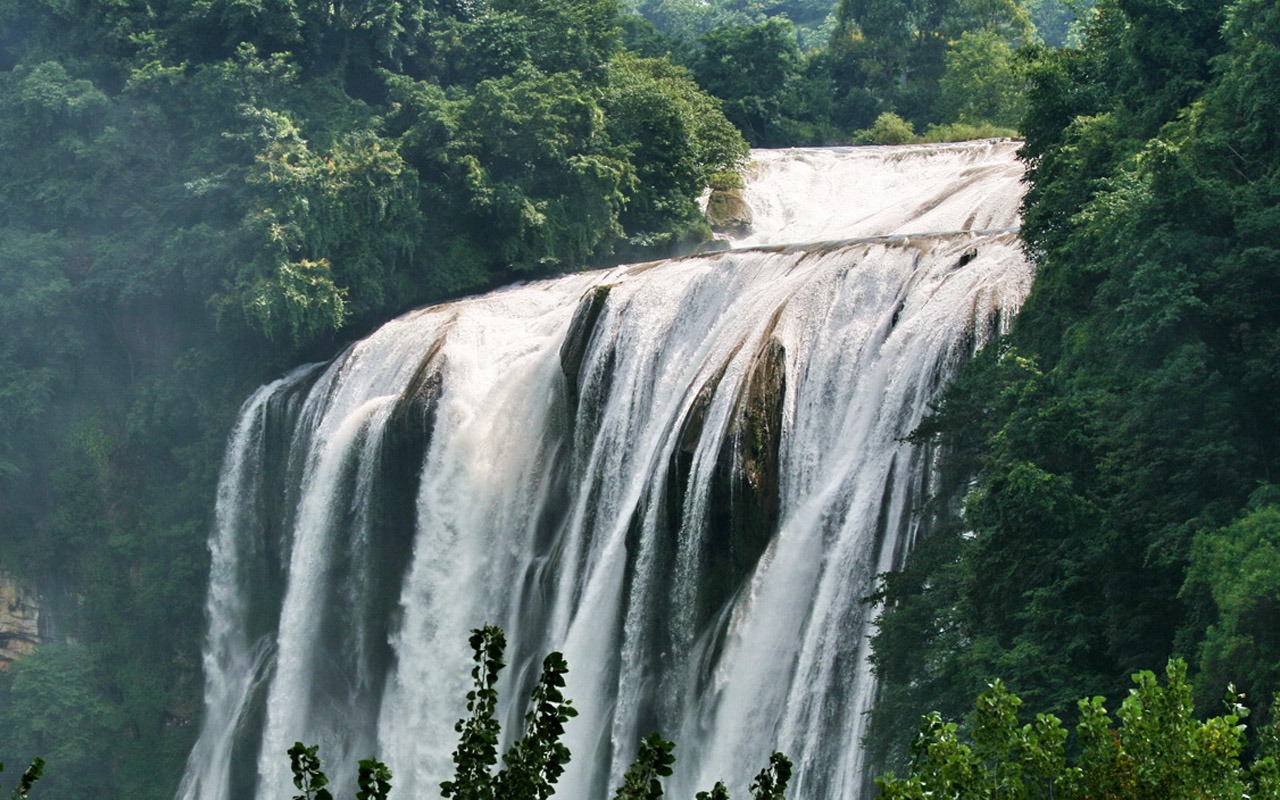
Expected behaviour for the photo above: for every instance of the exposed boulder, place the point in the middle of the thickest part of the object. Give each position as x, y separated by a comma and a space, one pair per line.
750, 469
727, 212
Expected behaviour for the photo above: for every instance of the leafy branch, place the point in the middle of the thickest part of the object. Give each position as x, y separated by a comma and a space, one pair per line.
28, 779
535, 762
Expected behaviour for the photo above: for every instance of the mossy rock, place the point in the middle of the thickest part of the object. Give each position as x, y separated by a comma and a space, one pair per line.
727, 212
743, 512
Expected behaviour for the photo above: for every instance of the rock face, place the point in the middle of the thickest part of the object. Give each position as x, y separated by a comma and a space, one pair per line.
744, 510
728, 213
743, 507
578, 339
19, 620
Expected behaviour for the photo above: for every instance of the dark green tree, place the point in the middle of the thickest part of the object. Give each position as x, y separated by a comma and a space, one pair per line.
898, 49
982, 81
1105, 452
753, 70
1159, 751
641, 781
54, 709
676, 139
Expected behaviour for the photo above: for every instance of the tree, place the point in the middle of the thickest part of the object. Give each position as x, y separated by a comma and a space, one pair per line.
677, 139
982, 82
889, 128
1101, 457
54, 710
1239, 567
328, 230
1158, 752
753, 69
899, 48
653, 762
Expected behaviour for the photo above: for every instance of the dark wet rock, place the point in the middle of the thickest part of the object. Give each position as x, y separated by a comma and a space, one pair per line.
576, 341
743, 509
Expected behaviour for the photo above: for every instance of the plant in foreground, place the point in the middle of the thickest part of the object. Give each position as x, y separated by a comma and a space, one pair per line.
28, 779
535, 762
1159, 751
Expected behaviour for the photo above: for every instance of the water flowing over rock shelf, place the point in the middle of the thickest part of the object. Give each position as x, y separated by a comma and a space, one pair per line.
684, 475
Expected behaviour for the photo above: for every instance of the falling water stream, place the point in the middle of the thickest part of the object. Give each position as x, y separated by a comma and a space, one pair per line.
683, 475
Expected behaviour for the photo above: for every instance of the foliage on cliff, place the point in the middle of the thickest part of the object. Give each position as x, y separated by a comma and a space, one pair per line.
1125, 436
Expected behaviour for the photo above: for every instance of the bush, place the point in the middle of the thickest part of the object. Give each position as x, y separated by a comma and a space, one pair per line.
965, 131
889, 128
1159, 751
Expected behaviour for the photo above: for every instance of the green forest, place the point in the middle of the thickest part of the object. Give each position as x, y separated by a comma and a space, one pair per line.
1111, 463
196, 196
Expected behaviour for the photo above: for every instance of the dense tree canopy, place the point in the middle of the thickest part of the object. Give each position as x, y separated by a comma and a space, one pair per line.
932, 62
901, 48
1124, 435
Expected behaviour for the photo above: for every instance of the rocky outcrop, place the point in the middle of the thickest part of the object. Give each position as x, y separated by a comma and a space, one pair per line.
574, 349
19, 620
748, 468
742, 513
727, 212
394, 504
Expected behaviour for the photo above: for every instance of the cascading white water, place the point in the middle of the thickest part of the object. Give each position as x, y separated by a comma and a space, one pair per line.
813, 195
683, 475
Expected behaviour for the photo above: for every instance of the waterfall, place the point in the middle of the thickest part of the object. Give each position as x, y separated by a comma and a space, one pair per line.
684, 475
